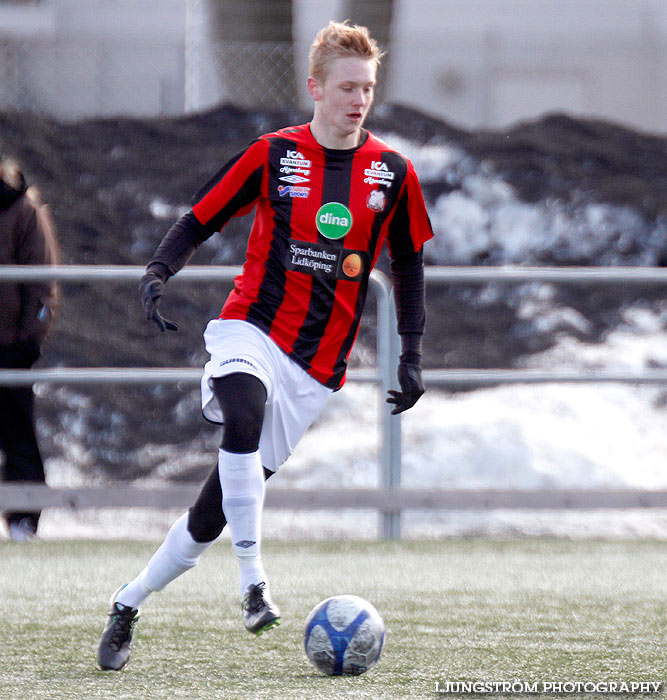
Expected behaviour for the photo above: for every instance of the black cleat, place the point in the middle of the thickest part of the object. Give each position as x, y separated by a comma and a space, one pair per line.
259, 612
113, 651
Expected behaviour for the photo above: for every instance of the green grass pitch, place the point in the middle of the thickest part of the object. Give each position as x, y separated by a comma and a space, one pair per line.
455, 610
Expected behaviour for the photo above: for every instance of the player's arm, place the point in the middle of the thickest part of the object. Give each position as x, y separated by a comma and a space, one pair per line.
231, 192
407, 271
409, 229
175, 249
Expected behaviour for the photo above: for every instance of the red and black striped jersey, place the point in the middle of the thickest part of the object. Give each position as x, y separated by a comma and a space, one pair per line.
322, 217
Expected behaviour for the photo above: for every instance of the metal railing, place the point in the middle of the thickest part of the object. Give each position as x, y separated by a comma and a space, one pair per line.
390, 499
580, 276
27, 496
387, 356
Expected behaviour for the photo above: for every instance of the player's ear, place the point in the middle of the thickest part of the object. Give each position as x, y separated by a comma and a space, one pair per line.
314, 89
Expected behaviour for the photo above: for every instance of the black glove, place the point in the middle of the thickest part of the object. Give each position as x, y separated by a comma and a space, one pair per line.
412, 387
151, 291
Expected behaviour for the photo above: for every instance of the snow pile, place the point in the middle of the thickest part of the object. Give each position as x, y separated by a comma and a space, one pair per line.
595, 436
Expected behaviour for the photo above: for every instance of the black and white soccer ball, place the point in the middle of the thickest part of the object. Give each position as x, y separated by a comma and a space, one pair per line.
344, 636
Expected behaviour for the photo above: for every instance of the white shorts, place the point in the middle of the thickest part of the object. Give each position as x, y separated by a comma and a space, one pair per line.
293, 398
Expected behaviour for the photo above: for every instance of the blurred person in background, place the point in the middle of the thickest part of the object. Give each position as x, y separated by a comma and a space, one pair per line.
328, 196
27, 237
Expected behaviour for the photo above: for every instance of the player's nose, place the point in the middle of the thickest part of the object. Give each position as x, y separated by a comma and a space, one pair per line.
359, 98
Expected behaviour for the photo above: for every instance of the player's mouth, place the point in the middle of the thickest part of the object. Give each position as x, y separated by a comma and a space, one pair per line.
354, 116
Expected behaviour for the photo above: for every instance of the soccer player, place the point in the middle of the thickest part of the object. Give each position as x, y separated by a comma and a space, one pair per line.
327, 194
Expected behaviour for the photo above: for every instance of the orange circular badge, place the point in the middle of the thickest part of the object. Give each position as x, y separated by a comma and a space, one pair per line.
352, 265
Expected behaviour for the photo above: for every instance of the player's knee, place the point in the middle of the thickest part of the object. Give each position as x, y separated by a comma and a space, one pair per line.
242, 398
242, 427
205, 526
241, 435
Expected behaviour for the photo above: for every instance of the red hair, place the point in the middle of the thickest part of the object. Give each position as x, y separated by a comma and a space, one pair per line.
341, 40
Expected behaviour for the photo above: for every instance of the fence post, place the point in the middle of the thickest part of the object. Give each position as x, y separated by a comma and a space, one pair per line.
390, 426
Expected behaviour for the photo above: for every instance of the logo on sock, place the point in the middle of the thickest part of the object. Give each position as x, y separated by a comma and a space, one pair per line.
244, 543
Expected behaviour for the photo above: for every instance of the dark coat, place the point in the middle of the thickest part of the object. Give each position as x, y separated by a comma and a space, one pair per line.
27, 237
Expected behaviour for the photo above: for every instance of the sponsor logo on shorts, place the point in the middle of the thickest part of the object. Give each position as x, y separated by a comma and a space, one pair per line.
238, 360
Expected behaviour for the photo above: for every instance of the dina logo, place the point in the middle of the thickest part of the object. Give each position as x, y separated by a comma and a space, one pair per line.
333, 220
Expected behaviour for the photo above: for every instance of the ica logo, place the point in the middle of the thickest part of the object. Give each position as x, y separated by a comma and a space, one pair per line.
333, 220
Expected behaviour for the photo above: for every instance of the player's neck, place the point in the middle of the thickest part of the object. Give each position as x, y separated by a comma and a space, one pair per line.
332, 138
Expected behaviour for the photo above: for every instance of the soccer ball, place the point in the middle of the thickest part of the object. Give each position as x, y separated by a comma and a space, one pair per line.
344, 635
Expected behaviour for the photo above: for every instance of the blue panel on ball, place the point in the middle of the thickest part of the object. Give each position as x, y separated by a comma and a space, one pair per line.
339, 639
